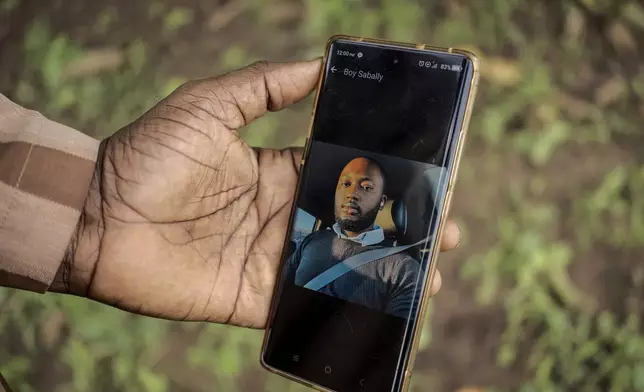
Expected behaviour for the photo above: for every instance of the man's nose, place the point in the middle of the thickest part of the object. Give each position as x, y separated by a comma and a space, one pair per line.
352, 195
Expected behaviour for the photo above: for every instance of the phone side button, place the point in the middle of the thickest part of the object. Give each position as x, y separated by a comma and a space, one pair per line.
305, 151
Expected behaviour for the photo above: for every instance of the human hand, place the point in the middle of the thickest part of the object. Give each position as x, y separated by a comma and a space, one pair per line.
184, 220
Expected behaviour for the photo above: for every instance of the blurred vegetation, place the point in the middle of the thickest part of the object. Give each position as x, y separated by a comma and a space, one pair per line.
551, 184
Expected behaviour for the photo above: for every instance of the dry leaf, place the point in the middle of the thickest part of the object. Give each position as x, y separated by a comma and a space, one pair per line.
575, 24
52, 329
224, 15
94, 62
500, 71
610, 91
454, 7
283, 13
622, 38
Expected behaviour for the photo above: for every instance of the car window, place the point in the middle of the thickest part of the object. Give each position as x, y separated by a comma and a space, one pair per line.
304, 225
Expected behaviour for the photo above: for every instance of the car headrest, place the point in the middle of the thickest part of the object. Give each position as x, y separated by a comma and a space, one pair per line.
393, 219
385, 220
399, 217
409, 219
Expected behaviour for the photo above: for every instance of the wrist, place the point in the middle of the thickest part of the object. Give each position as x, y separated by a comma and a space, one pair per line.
77, 268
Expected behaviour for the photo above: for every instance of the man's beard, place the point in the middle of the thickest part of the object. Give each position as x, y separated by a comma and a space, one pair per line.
359, 225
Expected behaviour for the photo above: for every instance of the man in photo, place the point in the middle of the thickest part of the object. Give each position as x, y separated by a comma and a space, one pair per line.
387, 284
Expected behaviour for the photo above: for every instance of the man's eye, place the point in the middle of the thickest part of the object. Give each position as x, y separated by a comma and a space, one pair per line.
346, 184
367, 187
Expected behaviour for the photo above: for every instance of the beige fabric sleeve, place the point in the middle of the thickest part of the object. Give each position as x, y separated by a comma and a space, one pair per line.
45, 172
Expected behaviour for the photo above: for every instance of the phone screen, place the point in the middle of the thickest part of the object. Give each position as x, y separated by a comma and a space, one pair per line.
371, 192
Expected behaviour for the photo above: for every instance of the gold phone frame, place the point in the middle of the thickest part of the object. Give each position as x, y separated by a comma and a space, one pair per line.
408, 366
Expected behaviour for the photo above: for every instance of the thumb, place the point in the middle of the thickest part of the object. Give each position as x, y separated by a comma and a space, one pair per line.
241, 96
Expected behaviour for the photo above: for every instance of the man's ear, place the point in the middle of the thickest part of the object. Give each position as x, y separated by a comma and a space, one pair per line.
383, 201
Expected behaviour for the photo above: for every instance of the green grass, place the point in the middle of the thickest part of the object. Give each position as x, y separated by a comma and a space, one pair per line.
533, 106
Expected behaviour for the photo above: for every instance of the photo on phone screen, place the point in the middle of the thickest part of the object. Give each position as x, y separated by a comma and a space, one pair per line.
370, 204
371, 194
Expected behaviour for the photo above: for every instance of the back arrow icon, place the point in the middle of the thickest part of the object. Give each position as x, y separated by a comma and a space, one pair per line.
333, 69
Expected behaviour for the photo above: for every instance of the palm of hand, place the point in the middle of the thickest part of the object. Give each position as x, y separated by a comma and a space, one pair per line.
183, 196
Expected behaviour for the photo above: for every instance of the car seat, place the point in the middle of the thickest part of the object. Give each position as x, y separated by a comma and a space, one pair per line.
408, 220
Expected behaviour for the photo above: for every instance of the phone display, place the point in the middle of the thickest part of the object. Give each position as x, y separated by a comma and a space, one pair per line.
374, 184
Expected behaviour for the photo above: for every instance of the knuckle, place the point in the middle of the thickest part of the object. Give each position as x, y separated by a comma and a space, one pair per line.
260, 66
188, 86
183, 88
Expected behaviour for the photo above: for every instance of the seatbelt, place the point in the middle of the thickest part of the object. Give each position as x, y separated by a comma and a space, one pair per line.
355, 261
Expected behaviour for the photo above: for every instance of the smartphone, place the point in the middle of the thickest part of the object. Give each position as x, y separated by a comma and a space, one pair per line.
388, 127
